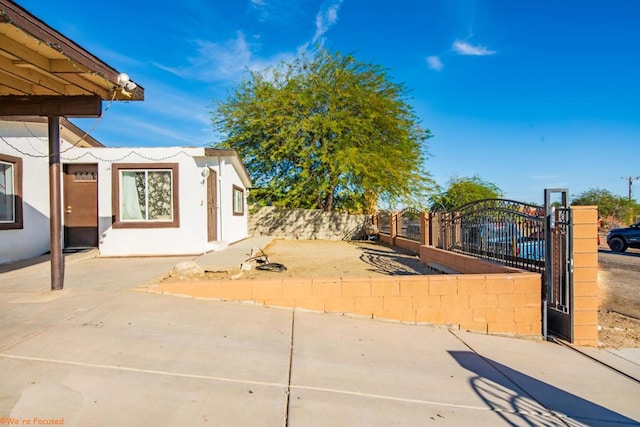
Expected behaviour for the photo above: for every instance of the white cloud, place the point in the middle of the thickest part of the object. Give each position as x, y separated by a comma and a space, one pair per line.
221, 60
225, 61
464, 48
326, 18
434, 63
262, 10
229, 60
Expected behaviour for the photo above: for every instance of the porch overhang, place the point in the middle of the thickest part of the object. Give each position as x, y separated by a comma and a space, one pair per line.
39, 63
43, 73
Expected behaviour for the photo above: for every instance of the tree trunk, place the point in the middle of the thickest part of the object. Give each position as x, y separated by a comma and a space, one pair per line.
328, 205
370, 202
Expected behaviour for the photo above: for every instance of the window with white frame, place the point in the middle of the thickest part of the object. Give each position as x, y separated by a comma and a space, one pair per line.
147, 195
238, 201
10, 192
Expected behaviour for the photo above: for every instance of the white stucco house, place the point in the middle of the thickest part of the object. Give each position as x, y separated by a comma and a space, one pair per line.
125, 201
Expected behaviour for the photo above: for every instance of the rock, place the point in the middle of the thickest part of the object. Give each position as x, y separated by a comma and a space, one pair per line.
188, 270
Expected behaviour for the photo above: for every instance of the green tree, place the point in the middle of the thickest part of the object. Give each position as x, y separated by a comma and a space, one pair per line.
326, 132
463, 190
610, 207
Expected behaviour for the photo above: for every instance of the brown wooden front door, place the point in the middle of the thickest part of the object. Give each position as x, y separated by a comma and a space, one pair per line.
81, 205
212, 206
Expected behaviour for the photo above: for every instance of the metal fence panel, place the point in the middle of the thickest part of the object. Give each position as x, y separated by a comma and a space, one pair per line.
506, 231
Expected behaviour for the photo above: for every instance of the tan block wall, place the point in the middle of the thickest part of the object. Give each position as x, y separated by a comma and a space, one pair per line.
486, 297
585, 275
385, 238
408, 244
462, 263
503, 303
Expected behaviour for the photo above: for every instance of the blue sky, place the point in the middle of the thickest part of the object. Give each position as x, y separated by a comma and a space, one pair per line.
527, 95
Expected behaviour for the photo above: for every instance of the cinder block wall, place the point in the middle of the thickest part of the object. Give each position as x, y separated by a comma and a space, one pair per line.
461, 263
486, 297
504, 303
408, 244
305, 224
585, 275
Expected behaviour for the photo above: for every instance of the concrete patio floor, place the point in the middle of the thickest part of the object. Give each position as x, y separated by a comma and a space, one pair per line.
98, 354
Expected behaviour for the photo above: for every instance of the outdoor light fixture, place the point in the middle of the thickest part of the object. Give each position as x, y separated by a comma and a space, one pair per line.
205, 175
125, 82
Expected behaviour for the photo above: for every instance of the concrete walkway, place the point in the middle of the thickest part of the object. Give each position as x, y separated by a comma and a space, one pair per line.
97, 354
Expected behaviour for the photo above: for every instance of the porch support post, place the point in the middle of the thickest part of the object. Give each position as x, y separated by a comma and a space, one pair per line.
55, 205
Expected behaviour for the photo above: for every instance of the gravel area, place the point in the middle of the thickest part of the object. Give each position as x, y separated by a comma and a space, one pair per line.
330, 259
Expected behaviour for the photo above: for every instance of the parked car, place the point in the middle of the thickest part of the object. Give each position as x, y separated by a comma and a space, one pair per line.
530, 248
619, 239
499, 238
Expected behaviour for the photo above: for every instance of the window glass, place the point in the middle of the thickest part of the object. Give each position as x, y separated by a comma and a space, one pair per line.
146, 195
7, 193
238, 201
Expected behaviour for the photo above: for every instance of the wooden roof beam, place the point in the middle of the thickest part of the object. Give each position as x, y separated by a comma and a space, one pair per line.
51, 106
19, 17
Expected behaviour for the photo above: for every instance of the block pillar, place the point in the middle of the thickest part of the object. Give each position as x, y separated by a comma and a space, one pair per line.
585, 275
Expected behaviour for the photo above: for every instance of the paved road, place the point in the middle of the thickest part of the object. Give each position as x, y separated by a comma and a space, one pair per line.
620, 274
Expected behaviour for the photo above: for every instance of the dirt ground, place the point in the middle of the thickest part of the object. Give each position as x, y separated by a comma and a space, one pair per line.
325, 258
320, 258
618, 331
619, 316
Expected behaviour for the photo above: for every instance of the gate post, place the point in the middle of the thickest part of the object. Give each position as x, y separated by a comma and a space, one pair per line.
424, 226
585, 275
393, 218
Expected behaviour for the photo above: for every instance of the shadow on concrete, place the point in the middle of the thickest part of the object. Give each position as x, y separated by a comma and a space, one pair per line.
393, 262
17, 265
43, 259
518, 398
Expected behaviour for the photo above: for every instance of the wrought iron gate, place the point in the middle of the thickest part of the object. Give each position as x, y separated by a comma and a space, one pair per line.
558, 272
534, 238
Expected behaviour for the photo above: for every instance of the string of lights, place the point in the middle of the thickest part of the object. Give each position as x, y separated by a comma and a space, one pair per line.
95, 124
107, 87
129, 154
40, 154
91, 154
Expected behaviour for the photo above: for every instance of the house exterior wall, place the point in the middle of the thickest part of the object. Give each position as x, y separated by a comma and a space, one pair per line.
33, 239
190, 237
231, 228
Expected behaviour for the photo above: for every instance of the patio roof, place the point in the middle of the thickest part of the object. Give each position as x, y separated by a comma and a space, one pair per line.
43, 73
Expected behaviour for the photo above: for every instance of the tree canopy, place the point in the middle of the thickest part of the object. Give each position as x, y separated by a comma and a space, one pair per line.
610, 207
463, 190
326, 132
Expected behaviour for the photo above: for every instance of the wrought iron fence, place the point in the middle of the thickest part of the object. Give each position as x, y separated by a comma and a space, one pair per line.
408, 224
384, 221
501, 230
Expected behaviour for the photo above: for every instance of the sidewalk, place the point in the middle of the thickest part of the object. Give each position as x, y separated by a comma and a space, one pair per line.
97, 354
